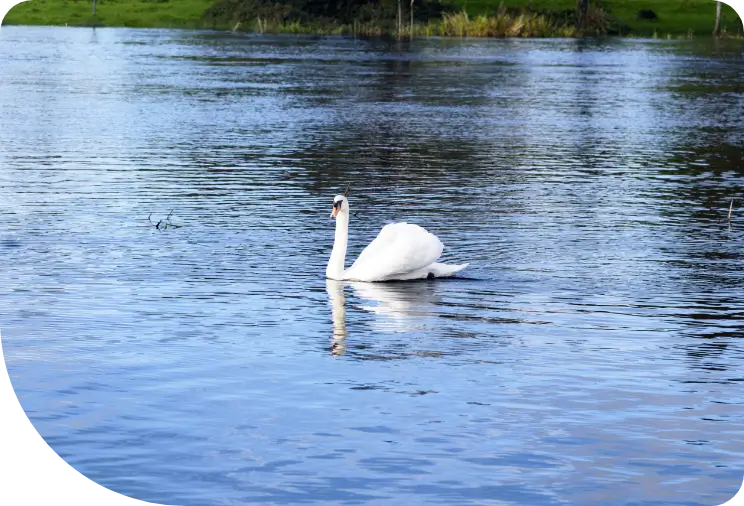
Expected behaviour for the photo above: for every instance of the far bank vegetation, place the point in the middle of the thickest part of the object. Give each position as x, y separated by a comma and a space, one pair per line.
401, 18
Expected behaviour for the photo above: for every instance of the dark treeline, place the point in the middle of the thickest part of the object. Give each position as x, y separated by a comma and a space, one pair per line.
328, 12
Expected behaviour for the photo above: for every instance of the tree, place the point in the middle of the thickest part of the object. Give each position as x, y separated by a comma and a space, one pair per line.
716, 28
399, 20
410, 34
582, 7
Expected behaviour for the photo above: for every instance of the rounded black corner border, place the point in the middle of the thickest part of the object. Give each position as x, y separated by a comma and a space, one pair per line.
34, 470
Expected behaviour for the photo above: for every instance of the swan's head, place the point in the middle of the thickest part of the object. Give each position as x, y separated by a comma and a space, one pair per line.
340, 205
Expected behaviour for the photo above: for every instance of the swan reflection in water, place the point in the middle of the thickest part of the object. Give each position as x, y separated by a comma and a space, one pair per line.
401, 306
335, 291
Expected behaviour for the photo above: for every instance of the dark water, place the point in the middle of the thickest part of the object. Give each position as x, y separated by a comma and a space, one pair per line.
592, 354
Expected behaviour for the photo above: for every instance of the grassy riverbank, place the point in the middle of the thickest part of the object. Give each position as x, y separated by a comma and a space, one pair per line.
132, 13
489, 18
675, 17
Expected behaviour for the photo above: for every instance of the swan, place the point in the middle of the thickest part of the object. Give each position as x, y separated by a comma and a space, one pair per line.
401, 251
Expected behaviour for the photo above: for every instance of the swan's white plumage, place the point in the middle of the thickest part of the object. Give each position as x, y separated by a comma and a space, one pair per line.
400, 248
401, 251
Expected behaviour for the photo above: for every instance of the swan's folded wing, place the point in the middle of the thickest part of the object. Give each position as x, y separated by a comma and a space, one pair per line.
399, 248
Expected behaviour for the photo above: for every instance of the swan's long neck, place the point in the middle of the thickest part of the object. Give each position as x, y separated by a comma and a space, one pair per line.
335, 269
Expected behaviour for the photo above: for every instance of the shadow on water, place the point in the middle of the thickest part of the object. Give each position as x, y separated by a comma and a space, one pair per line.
10, 243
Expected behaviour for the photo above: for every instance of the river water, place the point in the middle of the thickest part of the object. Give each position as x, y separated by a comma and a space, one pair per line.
591, 353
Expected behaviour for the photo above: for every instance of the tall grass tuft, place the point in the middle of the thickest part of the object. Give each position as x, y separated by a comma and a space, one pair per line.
457, 24
380, 18
502, 24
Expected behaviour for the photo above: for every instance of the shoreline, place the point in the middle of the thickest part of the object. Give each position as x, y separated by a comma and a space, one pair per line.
383, 36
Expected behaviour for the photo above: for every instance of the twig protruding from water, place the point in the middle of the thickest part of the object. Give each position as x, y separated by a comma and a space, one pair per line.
163, 224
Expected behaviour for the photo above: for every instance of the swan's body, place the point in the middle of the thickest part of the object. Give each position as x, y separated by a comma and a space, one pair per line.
402, 251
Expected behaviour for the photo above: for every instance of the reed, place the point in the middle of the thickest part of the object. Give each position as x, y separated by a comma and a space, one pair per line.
458, 24
501, 25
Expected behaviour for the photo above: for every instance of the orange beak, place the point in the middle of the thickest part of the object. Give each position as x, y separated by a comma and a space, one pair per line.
335, 211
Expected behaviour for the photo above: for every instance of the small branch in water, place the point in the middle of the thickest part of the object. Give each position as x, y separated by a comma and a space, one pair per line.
163, 224
731, 207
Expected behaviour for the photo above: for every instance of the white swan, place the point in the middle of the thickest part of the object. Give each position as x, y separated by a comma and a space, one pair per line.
401, 251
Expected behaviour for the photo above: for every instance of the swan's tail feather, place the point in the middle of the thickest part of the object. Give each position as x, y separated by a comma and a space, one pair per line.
445, 270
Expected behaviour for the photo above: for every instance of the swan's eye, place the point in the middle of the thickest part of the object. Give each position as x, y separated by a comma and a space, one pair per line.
337, 204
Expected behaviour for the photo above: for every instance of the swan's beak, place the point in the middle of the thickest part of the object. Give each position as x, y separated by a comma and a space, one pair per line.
336, 209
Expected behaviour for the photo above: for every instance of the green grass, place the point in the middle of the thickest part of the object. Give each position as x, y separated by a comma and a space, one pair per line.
484, 17
675, 17
131, 13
